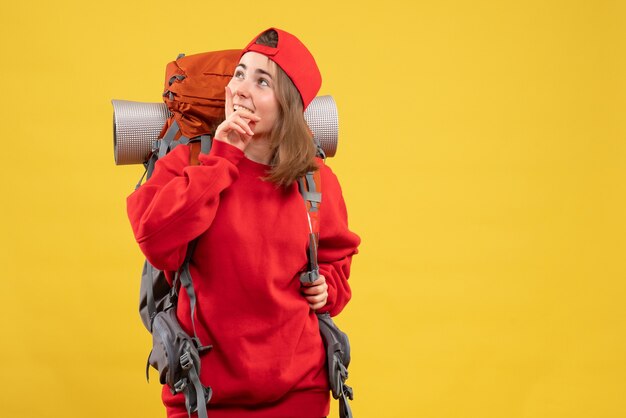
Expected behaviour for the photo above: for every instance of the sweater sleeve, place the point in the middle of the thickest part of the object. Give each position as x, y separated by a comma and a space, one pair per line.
337, 244
179, 202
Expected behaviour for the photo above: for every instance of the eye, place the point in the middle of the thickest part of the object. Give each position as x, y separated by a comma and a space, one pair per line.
239, 74
264, 82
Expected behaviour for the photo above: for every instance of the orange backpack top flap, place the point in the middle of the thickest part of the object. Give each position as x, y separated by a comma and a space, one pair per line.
194, 90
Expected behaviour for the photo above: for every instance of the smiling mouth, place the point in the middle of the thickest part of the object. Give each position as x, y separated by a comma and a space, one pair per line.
238, 107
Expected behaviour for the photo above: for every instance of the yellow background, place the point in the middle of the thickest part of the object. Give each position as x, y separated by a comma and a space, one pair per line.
482, 156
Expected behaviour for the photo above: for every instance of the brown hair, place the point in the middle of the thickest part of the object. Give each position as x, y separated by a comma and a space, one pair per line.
291, 141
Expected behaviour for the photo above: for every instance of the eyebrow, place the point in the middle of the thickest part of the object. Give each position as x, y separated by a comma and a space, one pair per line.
258, 70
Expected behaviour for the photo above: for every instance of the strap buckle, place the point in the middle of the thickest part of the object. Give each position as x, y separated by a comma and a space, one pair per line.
185, 361
347, 390
310, 276
180, 386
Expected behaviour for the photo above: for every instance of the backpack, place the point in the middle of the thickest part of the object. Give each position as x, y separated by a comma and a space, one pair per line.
194, 94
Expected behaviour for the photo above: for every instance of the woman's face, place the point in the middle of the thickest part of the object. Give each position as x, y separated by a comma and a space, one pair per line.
252, 87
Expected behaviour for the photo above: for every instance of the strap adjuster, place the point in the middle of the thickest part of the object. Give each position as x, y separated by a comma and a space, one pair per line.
310, 276
185, 361
347, 390
180, 386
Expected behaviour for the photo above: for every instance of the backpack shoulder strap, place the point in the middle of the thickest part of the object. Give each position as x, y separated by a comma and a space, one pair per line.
199, 146
335, 341
311, 191
171, 137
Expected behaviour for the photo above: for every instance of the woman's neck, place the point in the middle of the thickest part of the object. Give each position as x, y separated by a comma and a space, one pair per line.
258, 150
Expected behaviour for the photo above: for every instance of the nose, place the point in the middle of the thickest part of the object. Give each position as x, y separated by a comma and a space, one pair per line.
241, 88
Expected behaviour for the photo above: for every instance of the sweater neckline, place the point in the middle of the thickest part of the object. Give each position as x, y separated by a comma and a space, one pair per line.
253, 167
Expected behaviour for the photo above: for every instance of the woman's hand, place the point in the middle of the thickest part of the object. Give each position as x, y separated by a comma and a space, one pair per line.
235, 129
316, 293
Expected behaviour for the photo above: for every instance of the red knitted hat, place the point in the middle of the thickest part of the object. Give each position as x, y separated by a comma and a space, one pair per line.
295, 60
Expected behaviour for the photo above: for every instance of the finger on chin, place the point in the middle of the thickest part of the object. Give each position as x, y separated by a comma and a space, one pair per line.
228, 99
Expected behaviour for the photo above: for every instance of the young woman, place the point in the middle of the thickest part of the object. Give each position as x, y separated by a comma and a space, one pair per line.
243, 206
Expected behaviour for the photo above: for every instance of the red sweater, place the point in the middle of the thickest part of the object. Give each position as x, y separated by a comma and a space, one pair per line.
268, 358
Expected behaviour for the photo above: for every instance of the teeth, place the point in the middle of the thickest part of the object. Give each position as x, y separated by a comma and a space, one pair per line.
237, 107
